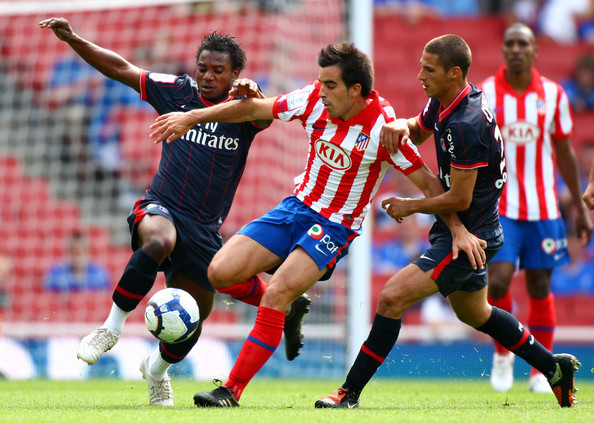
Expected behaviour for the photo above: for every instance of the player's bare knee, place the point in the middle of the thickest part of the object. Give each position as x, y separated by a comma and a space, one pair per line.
278, 296
159, 247
218, 273
390, 304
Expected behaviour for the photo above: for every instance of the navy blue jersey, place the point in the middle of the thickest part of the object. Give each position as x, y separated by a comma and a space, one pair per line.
467, 137
198, 173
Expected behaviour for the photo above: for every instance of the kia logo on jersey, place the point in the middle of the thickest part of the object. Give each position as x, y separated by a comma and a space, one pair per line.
520, 132
333, 155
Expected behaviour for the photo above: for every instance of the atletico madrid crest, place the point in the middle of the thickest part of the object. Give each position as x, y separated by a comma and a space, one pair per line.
362, 142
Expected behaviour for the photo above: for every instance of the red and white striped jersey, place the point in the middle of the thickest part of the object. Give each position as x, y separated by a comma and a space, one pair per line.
345, 162
530, 122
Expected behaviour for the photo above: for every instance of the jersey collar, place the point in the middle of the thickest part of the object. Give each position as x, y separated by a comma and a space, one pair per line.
363, 117
445, 112
209, 104
501, 80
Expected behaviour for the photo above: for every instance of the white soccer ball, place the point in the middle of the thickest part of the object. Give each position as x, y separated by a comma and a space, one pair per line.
172, 315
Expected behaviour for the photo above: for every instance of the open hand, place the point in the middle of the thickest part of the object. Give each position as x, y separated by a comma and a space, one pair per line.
171, 126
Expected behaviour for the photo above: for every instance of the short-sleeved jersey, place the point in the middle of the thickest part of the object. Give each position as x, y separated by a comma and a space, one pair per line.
345, 163
467, 137
198, 173
530, 122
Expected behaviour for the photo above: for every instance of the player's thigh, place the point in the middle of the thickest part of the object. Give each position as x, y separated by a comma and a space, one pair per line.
239, 259
407, 287
152, 227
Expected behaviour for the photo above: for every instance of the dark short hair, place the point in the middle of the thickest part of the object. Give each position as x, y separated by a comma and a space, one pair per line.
520, 26
452, 51
355, 66
224, 44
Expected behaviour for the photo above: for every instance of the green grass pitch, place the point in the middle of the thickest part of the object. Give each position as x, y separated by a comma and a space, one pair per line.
283, 400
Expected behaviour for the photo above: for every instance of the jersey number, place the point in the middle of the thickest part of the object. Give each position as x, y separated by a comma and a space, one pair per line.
499, 183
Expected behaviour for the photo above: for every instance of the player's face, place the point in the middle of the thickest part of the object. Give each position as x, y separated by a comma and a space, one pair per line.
436, 81
339, 100
519, 50
214, 75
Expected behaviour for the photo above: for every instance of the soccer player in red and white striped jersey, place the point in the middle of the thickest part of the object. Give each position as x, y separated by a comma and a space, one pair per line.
302, 239
535, 118
345, 166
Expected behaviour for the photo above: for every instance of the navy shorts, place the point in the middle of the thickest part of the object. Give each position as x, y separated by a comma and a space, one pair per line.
292, 224
456, 275
538, 244
195, 247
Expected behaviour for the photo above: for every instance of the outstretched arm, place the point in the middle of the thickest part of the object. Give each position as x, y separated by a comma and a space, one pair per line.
171, 126
463, 240
105, 61
399, 131
250, 89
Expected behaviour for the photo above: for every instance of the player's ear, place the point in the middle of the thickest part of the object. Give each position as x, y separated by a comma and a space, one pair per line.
355, 89
455, 72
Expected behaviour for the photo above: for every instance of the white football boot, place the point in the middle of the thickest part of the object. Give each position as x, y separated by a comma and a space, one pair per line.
502, 372
539, 384
160, 392
96, 343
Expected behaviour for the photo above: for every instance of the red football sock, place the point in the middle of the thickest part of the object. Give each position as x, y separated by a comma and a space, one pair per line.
505, 303
261, 343
249, 292
542, 320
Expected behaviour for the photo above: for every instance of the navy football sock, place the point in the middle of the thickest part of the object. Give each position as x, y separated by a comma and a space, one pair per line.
505, 329
174, 353
136, 281
375, 349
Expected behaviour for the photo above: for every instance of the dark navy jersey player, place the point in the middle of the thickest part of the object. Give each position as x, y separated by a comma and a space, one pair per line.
175, 225
467, 138
198, 177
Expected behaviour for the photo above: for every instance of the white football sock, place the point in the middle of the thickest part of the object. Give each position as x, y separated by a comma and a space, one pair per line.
157, 367
116, 319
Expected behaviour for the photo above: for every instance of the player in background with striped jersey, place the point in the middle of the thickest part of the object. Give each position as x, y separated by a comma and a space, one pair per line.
302, 239
471, 164
535, 118
175, 225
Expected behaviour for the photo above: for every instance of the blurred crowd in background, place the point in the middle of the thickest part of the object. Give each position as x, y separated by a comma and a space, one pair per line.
100, 115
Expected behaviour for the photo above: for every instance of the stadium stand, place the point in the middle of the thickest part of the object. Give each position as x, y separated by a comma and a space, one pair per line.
44, 197
45, 193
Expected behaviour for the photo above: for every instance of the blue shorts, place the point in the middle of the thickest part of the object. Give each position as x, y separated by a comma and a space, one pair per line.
292, 224
195, 247
538, 244
456, 275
